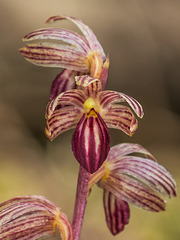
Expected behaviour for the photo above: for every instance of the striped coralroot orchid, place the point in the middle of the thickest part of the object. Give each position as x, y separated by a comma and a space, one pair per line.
131, 175
32, 217
91, 111
82, 55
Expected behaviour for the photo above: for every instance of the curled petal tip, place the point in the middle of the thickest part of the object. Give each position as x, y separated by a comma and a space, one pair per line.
142, 114
133, 126
48, 134
54, 18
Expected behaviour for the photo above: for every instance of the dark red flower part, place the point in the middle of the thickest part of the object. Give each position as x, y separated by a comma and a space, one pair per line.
91, 142
117, 212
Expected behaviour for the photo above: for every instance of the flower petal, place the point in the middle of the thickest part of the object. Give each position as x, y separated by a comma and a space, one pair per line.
71, 98
91, 86
110, 97
61, 120
55, 55
120, 150
88, 33
116, 211
146, 171
59, 34
63, 82
85, 80
31, 218
133, 191
91, 142
120, 117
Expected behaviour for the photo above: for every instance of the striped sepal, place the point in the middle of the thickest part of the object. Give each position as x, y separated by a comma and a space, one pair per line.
146, 171
71, 98
31, 218
120, 150
61, 120
116, 211
88, 33
63, 82
55, 55
91, 142
110, 97
133, 191
120, 117
59, 34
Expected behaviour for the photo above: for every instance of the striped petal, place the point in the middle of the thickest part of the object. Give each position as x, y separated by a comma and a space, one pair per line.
62, 120
85, 80
71, 98
88, 33
63, 82
123, 149
59, 34
136, 179
133, 191
91, 142
120, 117
116, 211
55, 55
91, 86
110, 97
32, 217
146, 171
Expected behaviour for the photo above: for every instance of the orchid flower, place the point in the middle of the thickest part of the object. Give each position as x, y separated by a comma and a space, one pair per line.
83, 56
91, 111
131, 175
32, 217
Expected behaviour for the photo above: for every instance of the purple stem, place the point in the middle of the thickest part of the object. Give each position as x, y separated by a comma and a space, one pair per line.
80, 203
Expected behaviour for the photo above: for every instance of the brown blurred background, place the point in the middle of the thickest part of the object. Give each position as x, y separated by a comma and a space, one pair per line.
143, 41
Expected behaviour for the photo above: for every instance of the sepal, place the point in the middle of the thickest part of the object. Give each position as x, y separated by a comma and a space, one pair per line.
48, 54
32, 217
88, 33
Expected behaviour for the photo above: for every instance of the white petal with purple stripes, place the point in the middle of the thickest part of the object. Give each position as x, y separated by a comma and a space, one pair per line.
88, 33
55, 55
59, 34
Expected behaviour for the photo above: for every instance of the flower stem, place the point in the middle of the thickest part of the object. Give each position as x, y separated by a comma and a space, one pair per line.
80, 203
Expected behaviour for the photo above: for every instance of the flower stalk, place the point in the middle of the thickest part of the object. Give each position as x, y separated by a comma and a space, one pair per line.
80, 202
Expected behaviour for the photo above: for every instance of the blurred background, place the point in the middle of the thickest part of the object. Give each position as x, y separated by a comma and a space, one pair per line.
143, 41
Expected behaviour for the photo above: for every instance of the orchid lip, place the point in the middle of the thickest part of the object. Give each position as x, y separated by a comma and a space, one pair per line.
91, 141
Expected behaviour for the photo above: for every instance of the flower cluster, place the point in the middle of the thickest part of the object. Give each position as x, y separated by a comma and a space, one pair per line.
90, 109
84, 55
127, 173
131, 174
